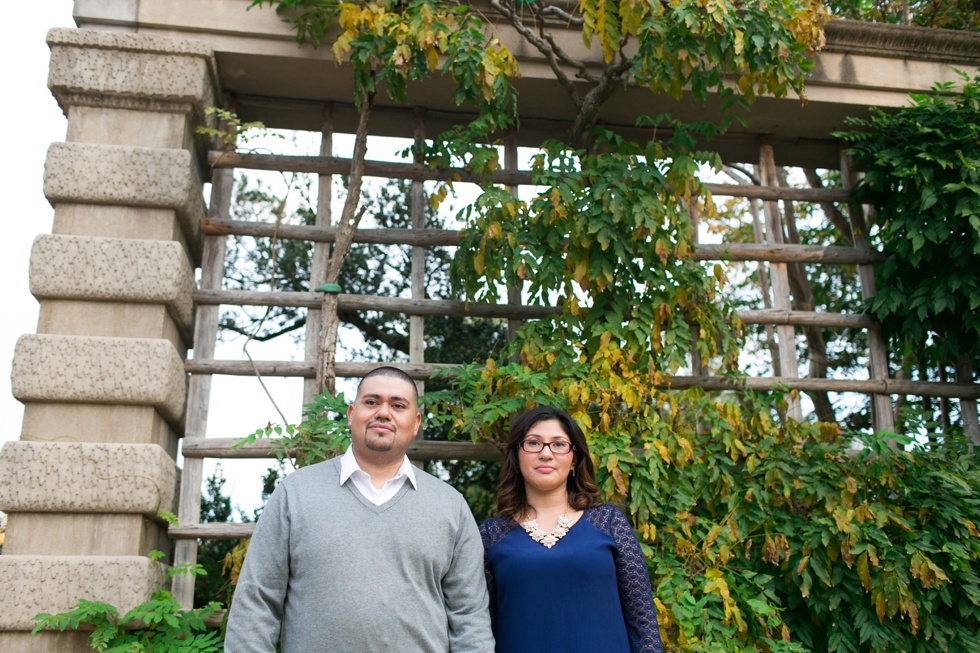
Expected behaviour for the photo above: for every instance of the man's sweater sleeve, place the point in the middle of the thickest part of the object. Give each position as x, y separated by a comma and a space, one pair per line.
465, 590
257, 608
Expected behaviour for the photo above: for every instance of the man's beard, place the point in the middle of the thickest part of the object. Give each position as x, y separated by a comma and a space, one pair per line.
379, 445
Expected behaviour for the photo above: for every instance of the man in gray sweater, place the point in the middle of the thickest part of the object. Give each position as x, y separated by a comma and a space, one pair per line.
364, 553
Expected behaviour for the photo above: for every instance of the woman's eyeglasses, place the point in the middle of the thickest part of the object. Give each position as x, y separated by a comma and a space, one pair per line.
558, 447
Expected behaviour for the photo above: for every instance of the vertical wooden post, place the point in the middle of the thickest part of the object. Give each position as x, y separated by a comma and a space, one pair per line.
758, 237
881, 405
416, 323
788, 366
321, 252
199, 386
514, 290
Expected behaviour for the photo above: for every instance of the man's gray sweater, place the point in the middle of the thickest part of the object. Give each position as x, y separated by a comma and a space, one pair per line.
343, 575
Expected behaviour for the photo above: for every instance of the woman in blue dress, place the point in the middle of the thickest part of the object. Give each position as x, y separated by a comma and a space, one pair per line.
565, 572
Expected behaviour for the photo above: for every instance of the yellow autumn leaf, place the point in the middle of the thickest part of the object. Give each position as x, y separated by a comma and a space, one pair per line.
716, 584
712, 535
864, 574
620, 481
432, 58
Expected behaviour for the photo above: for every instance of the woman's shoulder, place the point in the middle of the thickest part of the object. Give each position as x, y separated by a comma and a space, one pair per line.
492, 530
604, 516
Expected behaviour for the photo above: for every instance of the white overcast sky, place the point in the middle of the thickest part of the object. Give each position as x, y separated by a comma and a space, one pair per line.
31, 120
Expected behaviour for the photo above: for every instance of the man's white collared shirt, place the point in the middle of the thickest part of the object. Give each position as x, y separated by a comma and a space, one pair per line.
349, 469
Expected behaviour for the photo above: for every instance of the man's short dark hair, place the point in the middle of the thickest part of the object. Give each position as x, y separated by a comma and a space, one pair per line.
387, 370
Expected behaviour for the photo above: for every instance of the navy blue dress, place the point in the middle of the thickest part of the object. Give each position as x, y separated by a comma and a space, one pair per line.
588, 593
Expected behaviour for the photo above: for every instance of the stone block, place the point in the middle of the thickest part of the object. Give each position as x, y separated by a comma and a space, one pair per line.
56, 422
117, 222
150, 177
131, 127
44, 642
131, 71
99, 370
114, 269
50, 534
113, 319
53, 584
86, 478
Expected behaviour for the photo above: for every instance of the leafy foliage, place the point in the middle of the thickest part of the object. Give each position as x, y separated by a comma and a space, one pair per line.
610, 240
945, 14
766, 47
159, 625
922, 175
391, 43
797, 543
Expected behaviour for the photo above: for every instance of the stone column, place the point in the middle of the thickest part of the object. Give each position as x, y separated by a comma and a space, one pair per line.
103, 379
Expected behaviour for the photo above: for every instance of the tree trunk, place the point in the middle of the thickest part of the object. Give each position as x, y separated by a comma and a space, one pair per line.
346, 227
943, 402
968, 407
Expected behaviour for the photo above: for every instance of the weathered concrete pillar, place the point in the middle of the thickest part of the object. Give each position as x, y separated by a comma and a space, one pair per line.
103, 380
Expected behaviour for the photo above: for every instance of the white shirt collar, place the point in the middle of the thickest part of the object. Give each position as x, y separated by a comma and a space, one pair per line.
348, 465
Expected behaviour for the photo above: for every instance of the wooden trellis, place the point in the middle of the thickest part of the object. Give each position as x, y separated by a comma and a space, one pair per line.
217, 226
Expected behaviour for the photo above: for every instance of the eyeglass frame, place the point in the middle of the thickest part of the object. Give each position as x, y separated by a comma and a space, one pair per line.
571, 447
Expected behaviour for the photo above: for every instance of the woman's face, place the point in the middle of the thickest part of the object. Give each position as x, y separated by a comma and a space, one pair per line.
545, 470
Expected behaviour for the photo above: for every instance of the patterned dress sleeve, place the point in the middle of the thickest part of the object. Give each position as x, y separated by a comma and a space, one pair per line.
635, 594
487, 529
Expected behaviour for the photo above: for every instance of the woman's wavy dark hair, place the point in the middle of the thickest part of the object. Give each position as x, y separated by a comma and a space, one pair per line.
582, 489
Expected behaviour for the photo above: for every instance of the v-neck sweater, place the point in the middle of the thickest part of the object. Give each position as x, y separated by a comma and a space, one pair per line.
342, 574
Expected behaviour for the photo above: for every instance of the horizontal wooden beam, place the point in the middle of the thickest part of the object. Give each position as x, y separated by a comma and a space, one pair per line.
872, 386
265, 448
787, 254
807, 318
331, 165
418, 371
213, 531
447, 238
374, 303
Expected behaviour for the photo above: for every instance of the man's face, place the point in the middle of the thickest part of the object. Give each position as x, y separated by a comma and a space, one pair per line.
383, 419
